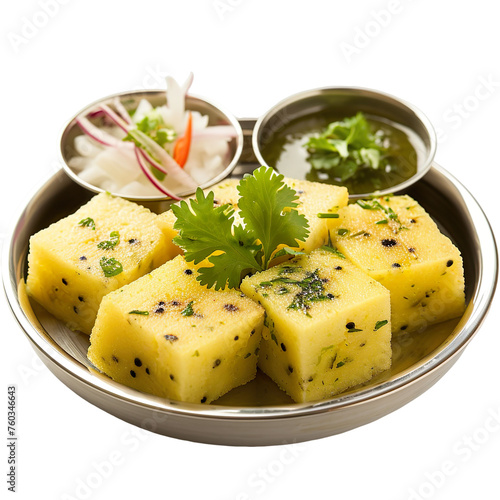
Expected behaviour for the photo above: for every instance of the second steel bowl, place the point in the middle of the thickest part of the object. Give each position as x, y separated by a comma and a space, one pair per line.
347, 101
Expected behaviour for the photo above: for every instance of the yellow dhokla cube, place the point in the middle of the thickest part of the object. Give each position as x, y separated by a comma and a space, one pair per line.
397, 243
167, 335
104, 245
327, 325
313, 198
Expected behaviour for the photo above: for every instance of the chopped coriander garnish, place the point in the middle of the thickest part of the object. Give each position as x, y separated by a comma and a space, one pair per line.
369, 205
288, 270
265, 283
323, 351
110, 266
383, 221
311, 290
188, 310
333, 250
342, 232
328, 216
380, 324
376, 205
287, 251
355, 235
88, 222
153, 125
142, 313
114, 239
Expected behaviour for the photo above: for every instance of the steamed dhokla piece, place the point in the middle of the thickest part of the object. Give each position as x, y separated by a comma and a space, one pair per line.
396, 242
313, 198
167, 335
316, 198
327, 325
104, 245
165, 222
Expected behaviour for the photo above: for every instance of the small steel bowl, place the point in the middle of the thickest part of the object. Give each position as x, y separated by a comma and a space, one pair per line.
348, 101
130, 100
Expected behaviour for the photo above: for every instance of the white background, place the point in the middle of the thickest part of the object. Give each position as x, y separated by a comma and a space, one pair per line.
246, 55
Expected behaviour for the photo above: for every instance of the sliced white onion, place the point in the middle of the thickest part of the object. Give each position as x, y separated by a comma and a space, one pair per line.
137, 188
187, 84
93, 175
151, 177
87, 147
143, 108
120, 165
174, 171
218, 131
120, 108
175, 102
78, 163
115, 117
99, 135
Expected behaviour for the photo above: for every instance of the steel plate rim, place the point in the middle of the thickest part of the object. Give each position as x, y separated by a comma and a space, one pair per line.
132, 397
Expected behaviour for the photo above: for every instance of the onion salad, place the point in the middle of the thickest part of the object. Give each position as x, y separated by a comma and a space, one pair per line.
151, 150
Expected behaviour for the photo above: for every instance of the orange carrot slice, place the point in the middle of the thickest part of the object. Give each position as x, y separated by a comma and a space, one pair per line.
183, 144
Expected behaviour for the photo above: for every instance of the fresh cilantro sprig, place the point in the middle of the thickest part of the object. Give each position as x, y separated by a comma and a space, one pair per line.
267, 207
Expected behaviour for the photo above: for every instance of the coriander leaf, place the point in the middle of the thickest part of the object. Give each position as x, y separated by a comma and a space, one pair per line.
324, 161
344, 147
188, 310
287, 251
88, 222
268, 208
333, 250
154, 126
333, 145
328, 215
346, 169
114, 239
205, 229
380, 324
141, 313
370, 156
110, 267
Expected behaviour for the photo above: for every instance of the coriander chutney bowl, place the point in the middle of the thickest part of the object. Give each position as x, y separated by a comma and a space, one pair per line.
279, 136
